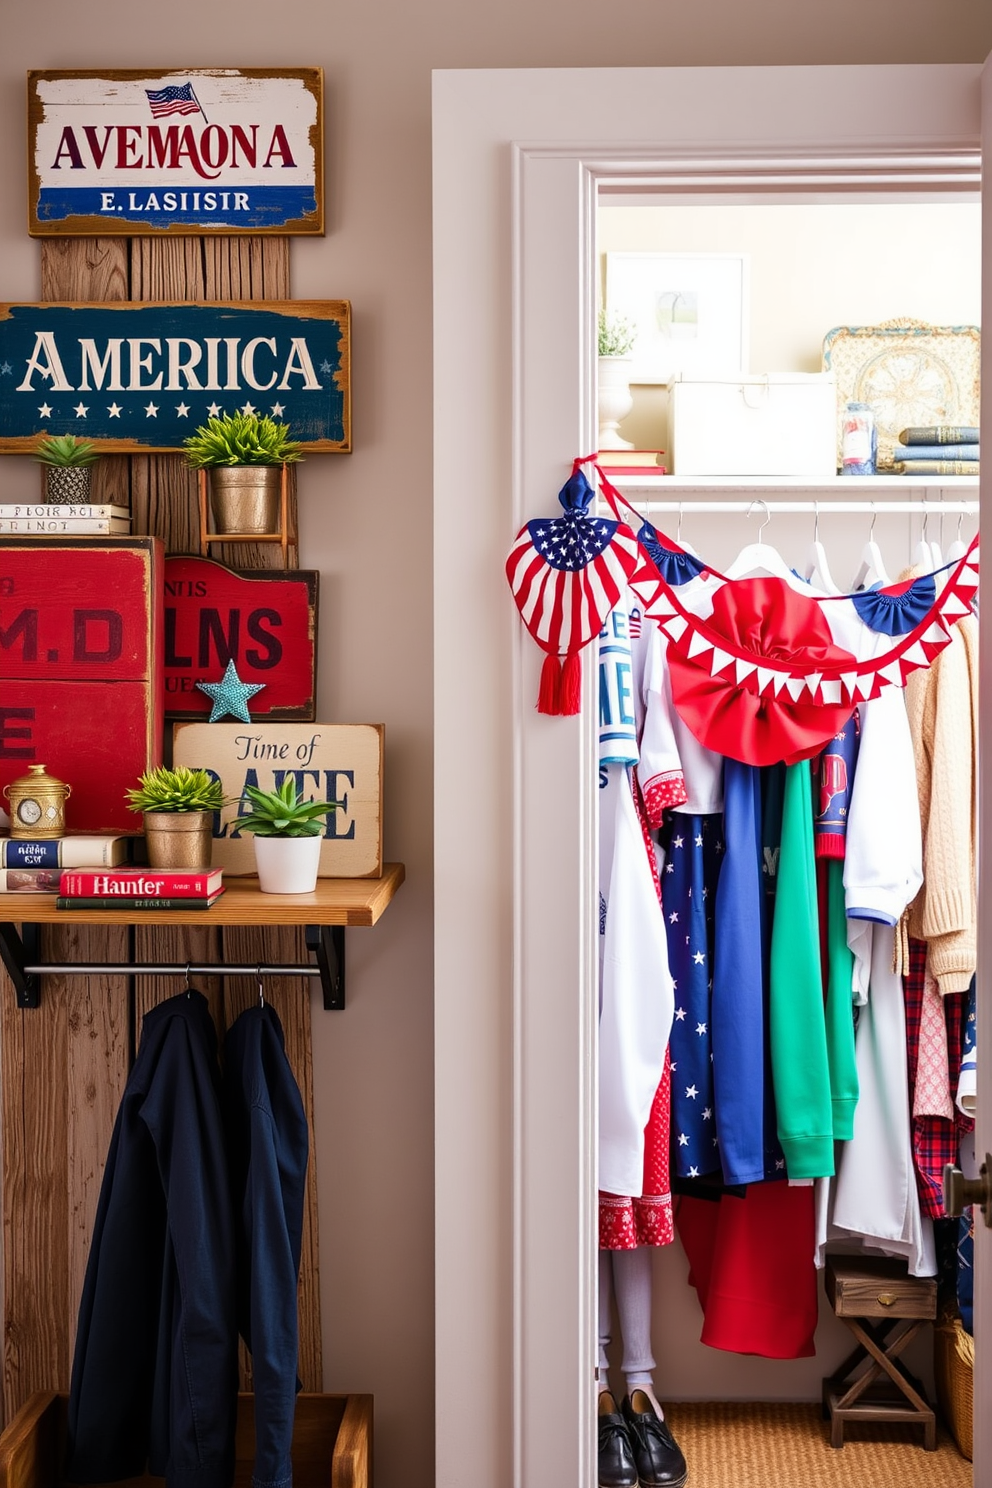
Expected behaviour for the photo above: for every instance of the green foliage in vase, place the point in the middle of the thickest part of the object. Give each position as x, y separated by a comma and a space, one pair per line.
65, 450
283, 813
241, 439
181, 789
616, 335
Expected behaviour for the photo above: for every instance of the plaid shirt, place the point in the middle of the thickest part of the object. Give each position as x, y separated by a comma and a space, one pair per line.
935, 1140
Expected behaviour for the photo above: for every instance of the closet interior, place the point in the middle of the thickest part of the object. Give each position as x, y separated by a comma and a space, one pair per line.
786, 271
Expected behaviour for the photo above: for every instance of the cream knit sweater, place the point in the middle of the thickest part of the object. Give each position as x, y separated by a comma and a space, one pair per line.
942, 702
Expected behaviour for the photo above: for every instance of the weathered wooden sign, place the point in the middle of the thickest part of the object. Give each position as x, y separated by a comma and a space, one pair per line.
328, 762
194, 150
265, 621
81, 668
141, 377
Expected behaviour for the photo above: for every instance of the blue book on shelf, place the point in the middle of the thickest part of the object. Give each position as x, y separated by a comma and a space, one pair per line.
935, 452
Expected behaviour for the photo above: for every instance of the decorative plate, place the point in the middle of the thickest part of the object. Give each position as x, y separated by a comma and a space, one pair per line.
909, 372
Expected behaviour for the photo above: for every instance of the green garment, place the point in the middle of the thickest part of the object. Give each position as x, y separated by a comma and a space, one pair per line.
800, 1065
840, 1014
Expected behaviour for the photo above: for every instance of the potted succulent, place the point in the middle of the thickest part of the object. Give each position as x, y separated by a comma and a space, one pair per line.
178, 807
287, 836
615, 342
245, 454
68, 462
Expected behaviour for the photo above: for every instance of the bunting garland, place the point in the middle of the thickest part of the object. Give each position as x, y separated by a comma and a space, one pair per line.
761, 671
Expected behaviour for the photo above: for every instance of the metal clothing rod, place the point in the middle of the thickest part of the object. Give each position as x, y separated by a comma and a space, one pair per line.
134, 968
824, 508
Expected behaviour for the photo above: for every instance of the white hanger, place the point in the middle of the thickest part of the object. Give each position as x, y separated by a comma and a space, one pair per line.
937, 555
872, 570
958, 547
758, 557
817, 567
685, 546
923, 553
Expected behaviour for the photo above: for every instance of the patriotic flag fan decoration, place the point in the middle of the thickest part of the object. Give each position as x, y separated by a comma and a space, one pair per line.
566, 574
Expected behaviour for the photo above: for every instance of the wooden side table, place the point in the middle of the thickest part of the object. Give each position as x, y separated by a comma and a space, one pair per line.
874, 1297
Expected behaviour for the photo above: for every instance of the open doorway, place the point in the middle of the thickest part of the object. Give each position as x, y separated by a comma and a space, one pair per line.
515, 275
786, 269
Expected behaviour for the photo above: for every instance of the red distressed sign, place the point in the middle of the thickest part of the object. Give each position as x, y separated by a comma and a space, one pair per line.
81, 668
265, 621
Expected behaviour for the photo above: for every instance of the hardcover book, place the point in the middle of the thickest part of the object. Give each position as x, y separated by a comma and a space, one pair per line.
935, 452
184, 902
29, 880
936, 467
65, 527
141, 883
939, 434
64, 852
60, 512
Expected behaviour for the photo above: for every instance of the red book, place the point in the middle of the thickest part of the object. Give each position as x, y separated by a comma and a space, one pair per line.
139, 883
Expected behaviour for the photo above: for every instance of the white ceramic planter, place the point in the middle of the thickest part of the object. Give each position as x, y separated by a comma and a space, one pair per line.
287, 865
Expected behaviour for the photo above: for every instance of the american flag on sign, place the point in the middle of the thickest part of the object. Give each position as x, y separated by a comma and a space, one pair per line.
178, 98
566, 574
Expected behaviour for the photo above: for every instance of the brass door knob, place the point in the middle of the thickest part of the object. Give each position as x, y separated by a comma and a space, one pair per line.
960, 1191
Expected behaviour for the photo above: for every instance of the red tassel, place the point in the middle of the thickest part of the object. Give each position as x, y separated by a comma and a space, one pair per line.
571, 685
549, 697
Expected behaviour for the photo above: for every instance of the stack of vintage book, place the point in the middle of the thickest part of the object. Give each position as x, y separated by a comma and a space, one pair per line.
139, 888
937, 449
28, 867
45, 519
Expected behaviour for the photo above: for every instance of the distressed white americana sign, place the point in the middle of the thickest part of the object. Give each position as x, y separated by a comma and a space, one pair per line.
137, 377
189, 150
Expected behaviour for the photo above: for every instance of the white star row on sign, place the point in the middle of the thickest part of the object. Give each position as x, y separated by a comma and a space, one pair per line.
81, 410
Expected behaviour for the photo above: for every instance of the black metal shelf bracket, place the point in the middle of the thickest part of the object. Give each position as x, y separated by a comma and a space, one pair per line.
21, 956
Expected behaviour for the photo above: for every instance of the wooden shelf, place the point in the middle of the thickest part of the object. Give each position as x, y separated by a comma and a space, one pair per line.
335, 901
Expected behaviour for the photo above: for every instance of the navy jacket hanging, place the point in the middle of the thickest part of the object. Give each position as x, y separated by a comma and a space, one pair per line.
268, 1146
154, 1377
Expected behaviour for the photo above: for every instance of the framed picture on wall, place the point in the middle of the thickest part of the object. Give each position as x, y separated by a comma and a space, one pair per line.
690, 311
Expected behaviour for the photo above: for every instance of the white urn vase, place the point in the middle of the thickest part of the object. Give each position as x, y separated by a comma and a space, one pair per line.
615, 401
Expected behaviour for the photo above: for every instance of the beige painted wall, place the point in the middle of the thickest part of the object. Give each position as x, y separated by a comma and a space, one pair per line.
812, 267
365, 519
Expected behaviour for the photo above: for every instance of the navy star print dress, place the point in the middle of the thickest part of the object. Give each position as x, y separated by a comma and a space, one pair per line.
693, 847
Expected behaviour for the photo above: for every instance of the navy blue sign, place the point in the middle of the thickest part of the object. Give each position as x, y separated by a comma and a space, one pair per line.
133, 377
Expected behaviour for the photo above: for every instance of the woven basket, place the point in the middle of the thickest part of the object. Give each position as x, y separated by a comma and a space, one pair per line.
954, 1371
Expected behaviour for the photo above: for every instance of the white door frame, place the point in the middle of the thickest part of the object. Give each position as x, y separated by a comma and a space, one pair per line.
517, 158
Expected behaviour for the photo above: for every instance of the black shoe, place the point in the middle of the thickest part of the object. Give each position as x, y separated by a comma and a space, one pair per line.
659, 1460
617, 1468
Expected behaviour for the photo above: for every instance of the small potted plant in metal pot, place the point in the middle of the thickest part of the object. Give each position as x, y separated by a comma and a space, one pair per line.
68, 463
245, 454
287, 836
178, 807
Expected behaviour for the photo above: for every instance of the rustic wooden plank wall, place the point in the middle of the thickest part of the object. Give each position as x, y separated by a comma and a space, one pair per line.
63, 1067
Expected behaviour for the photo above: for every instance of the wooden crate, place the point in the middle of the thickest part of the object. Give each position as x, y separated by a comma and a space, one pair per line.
332, 1443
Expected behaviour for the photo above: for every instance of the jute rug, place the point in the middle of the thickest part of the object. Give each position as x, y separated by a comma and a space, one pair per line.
787, 1446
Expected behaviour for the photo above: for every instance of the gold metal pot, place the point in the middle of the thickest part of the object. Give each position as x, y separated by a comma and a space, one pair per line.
245, 498
37, 804
179, 839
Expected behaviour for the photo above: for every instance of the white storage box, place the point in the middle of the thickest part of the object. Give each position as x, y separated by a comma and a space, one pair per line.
753, 424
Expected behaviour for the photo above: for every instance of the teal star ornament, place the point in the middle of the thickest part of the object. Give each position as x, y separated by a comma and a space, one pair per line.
230, 695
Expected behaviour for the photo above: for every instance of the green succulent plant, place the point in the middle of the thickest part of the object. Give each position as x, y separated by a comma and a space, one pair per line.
181, 789
282, 812
65, 450
616, 335
241, 439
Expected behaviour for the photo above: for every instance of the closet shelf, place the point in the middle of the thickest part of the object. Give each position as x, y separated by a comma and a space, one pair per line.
851, 485
335, 904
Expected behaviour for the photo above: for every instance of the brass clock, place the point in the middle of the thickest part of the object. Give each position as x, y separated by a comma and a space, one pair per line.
37, 804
